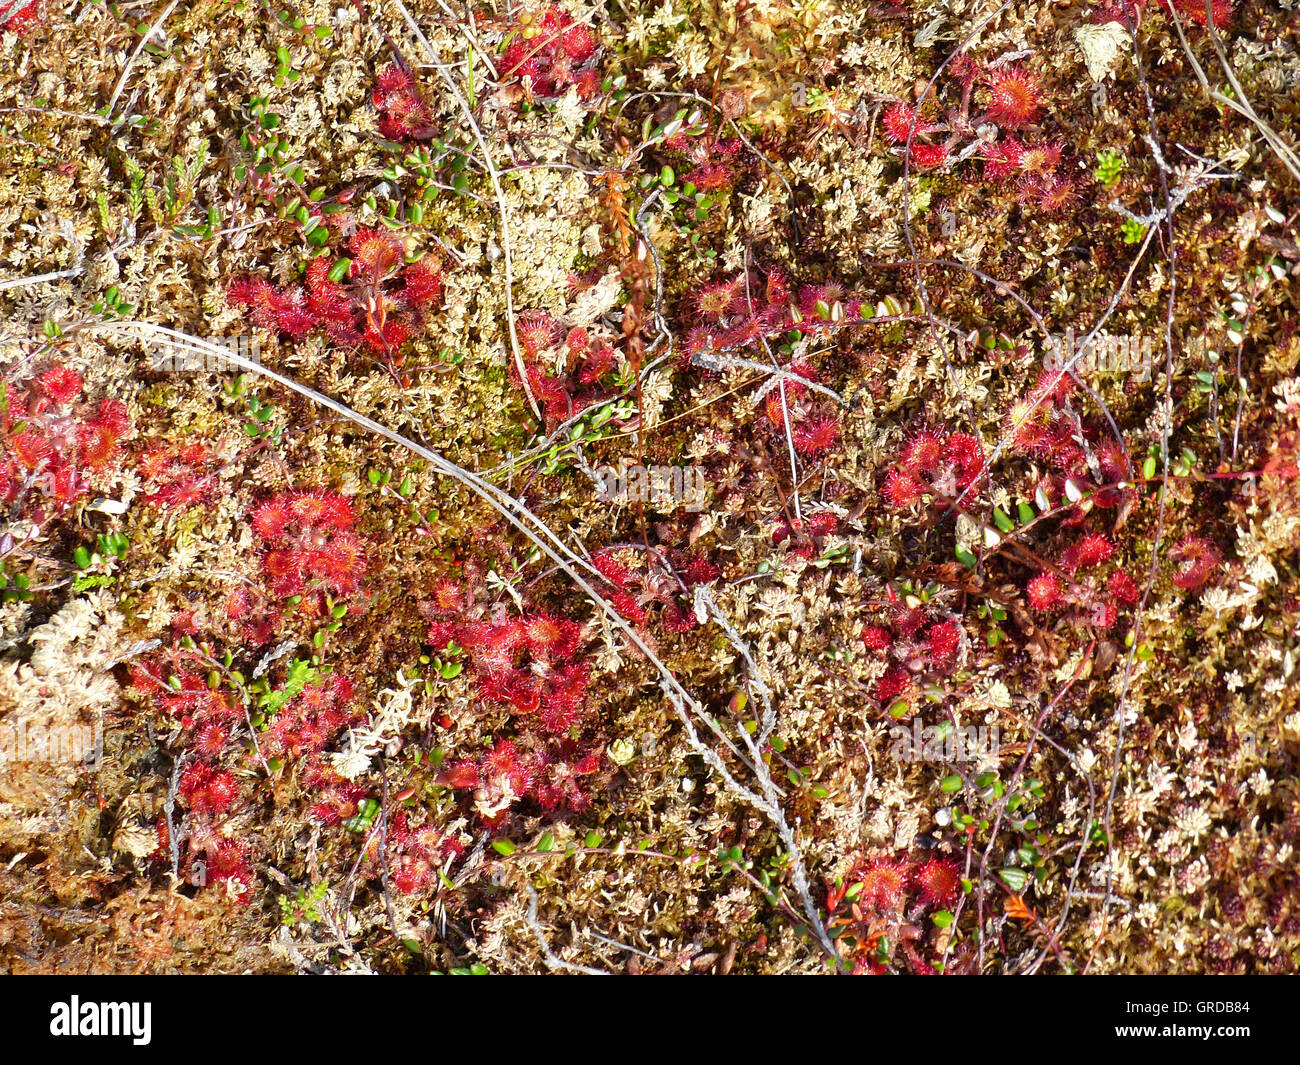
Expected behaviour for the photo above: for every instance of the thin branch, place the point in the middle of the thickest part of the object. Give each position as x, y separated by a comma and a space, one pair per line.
126, 70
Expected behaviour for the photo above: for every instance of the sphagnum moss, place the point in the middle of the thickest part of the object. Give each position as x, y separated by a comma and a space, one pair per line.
772, 171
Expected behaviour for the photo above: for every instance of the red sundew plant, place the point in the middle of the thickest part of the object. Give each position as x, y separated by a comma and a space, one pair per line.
253, 616
1015, 101
179, 475
208, 857
671, 584
527, 663
412, 855
550, 53
337, 798
587, 363
938, 466
1097, 601
50, 441
805, 535
1091, 472
381, 307
311, 720
814, 428
184, 696
1045, 427
311, 546
1221, 11
747, 309
707, 163
1015, 96
20, 16
1196, 558
531, 664
403, 113
550, 776
1129, 12
938, 881
915, 642
884, 884
296, 723
878, 911
205, 789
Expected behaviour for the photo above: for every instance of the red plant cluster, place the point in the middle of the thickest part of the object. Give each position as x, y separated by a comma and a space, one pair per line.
805, 535
310, 544
209, 792
300, 729
412, 855
205, 789
19, 16
1129, 12
207, 857
337, 798
1196, 558
1015, 100
913, 640
381, 307
880, 904
255, 618
549, 774
813, 427
189, 703
49, 441
403, 113
671, 585
1045, 427
1099, 602
577, 386
528, 663
750, 308
712, 169
309, 721
1221, 11
532, 665
550, 53
709, 164
942, 465
180, 475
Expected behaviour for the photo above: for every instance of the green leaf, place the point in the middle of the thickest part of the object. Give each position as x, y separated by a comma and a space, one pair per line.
503, 847
1016, 879
952, 782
